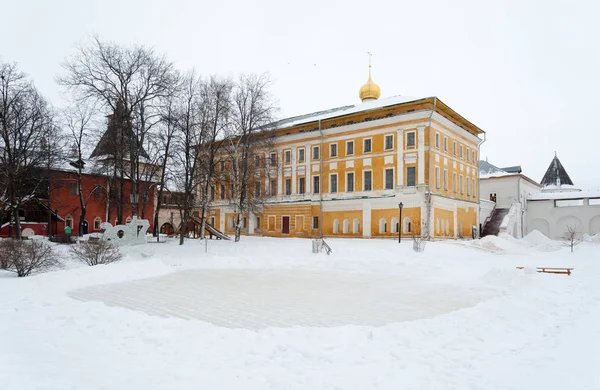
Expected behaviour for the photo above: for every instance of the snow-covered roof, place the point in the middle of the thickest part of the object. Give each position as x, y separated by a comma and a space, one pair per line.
564, 195
487, 170
345, 110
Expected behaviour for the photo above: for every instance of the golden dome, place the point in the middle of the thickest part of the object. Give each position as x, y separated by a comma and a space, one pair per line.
369, 91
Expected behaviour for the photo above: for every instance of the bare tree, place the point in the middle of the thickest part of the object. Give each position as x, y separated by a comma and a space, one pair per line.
216, 111
252, 112
26, 130
78, 121
188, 126
129, 78
164, 143
572, 236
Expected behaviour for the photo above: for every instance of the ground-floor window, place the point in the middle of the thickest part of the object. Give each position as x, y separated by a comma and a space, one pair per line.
97, 223
315, 223
356, 226
382, 225
407, 225
346, 226
336, 226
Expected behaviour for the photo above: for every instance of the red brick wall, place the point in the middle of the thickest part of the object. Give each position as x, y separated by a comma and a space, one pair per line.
67, 202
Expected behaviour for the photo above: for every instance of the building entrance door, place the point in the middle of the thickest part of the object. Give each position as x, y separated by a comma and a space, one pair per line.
285, 225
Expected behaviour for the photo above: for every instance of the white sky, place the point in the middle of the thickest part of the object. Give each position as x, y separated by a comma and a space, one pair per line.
523, 71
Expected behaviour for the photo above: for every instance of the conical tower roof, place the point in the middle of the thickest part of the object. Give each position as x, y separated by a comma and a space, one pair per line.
118, 139
556, 175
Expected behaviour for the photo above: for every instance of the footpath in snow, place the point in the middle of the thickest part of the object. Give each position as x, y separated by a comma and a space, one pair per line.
268, 314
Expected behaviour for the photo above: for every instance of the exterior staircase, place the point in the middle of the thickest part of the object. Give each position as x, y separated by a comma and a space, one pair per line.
492, 227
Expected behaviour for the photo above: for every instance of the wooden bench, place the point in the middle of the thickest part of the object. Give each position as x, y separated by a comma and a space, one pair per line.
553, 270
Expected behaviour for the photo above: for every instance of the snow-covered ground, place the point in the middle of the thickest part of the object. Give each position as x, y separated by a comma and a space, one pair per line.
268, 314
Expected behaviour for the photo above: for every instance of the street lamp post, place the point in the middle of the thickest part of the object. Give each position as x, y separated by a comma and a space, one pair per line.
400, 205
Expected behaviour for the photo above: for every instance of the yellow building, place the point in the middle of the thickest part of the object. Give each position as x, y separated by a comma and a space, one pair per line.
344, 171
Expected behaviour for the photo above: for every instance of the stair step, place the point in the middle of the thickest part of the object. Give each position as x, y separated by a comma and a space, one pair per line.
493, 225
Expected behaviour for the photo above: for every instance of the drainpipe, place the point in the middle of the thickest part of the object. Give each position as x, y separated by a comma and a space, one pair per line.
321, 155
428, 198
479, 181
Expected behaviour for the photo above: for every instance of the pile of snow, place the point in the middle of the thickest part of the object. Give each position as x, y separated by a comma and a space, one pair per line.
506, 244
542, 242
268, 314
592, 239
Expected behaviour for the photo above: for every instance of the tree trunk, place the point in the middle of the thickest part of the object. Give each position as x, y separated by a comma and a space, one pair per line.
238, 230
182, 231
17, 222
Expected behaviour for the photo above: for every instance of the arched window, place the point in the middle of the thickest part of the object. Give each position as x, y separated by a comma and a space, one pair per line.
355, 226
346, 226
97, 222
336, 226
407, 225
69, 221
382, 226
395, 225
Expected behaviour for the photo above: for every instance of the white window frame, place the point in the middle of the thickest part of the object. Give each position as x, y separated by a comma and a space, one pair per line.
303, 159
461, 184
437, 140
350, 142
316, 147
445, 144
454, 181
273, 161
461, 151
406, 145
285, 187
365, 141
364, 181
454, 148
385, 138
336, 183
331, 145
445, 180
257, 187
473, 188
271, 187
99, 220
474, 157
406, 172
468, 154
312, 188
437, 177
287, 153
353, 181
385, 178
300, 187
468, 185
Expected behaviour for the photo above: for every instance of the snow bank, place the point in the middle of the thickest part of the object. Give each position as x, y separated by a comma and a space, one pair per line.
533, 331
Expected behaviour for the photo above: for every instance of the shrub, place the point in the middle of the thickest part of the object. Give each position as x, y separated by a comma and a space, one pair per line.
25, 257
96, 252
